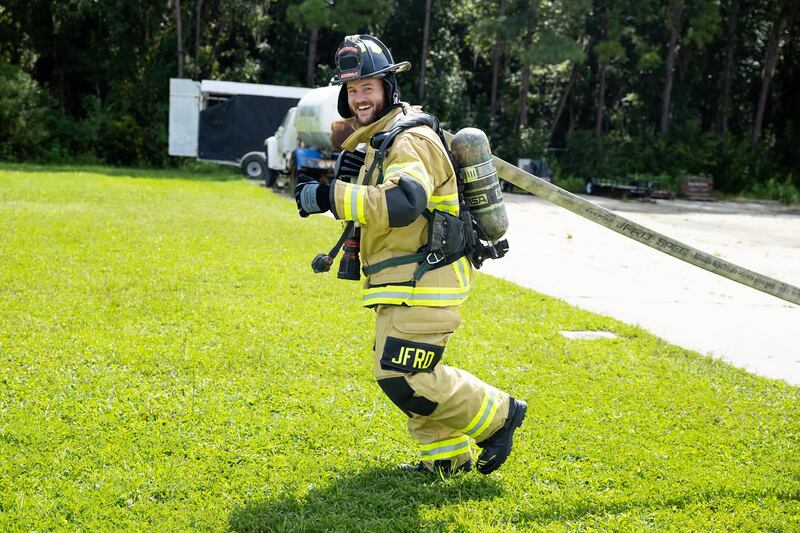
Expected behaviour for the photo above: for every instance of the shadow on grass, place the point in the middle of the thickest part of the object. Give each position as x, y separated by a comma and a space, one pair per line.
373, 500
195, 172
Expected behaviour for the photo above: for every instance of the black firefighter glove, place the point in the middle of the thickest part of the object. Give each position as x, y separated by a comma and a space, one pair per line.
348, 164
311, 196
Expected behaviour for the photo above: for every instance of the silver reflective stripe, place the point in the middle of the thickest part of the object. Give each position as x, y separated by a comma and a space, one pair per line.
479, 426
412, 297
308, 199
476, 172
424, 296
387, 294
354, 201
443, 449
449, 203
463, 272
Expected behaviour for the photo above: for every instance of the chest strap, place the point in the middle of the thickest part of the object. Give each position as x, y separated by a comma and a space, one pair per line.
393, 261
429, 257
427, 261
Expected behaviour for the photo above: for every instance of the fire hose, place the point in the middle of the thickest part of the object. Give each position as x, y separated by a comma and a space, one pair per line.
632, 230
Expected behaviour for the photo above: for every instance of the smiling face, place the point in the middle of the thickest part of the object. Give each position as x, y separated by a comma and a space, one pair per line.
366, 98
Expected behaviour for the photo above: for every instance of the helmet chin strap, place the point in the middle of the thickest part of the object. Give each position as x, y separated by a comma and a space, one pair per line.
392, 96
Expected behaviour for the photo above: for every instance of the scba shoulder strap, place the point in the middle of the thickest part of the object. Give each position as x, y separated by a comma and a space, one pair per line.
383, 140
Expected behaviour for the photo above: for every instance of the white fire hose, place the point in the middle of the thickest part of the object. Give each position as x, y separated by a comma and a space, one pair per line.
637, 232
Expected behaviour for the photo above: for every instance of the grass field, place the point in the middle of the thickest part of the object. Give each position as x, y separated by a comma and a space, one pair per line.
169, 362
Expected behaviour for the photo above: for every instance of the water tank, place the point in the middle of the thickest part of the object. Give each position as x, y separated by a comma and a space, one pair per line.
316, 112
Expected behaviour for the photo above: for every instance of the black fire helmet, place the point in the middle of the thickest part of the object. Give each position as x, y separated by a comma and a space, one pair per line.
365, 56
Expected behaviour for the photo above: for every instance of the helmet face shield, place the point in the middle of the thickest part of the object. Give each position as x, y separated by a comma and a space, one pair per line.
348, 61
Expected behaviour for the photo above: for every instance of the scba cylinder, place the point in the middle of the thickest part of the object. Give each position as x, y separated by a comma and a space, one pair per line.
482, 193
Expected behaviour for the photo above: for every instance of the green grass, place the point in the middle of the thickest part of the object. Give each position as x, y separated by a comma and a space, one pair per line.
169, 362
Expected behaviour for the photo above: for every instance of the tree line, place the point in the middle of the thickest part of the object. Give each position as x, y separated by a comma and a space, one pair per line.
606, 88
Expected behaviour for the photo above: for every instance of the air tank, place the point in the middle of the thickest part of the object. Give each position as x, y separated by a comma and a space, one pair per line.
482, 193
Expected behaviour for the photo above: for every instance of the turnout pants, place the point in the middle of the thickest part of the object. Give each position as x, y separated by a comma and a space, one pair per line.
446, 406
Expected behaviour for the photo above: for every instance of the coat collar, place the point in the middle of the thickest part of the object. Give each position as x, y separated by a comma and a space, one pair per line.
364, 133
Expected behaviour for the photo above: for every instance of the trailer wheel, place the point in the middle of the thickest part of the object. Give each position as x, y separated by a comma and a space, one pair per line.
254, 166
591, 186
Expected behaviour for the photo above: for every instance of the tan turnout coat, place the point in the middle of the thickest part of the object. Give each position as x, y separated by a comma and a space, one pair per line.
418, 154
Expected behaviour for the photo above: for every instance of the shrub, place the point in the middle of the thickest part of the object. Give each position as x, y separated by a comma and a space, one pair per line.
583, 155
25, 113
531, 143
735, 165
572, 184
120, 141
688, 150
783, 191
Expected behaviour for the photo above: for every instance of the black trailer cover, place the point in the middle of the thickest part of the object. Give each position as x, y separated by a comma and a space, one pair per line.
239, 125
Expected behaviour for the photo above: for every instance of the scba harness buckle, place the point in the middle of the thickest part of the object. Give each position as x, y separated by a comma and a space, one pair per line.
434, 258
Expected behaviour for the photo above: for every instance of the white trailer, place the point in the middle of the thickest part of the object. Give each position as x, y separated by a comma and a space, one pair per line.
226, 122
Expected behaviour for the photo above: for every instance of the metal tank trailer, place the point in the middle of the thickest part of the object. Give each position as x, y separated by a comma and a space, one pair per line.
308, 139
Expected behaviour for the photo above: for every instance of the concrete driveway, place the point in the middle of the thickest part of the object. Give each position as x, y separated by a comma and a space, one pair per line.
560, 254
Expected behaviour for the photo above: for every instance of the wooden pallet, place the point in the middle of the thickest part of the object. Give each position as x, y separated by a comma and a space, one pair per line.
697, 188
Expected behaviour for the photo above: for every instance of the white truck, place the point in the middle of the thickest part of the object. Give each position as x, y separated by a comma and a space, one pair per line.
305, 141
226, 122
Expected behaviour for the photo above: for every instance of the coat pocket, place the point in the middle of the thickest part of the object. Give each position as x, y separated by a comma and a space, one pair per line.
424, 321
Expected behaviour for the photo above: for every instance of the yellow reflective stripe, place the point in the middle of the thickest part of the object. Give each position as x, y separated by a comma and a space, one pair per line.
445, 449
445, 198
483, 417
479, 415
360, 213
348, 211
439, 290
461, 271
415, 169
436, 302
412, 168
467, 270
354, 196
489, 419
401, 294
459, 276
441, 443
428, 291
447, 203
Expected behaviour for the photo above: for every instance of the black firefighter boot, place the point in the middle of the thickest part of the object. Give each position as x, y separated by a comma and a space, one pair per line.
497, 448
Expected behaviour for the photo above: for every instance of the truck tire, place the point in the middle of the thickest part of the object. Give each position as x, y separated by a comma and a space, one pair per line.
254, 166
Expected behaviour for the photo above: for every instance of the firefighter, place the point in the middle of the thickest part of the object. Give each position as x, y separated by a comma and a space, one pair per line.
446, 407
